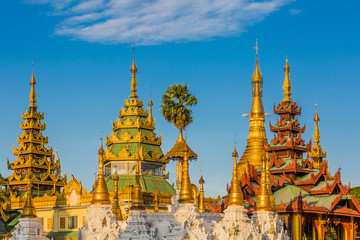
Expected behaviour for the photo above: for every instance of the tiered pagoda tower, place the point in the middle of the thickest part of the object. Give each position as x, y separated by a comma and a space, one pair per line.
254, 149
33, 156
133, 138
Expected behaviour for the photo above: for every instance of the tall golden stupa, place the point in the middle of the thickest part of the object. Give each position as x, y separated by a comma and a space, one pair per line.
257, 135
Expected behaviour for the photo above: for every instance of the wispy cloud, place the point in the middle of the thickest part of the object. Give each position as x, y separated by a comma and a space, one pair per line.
295, 11
157, 21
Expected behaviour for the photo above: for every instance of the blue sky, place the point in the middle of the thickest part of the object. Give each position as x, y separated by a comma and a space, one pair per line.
82, 53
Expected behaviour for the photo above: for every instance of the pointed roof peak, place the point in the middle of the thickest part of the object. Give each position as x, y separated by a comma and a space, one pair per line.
316, 118
101, 149
257, 75
32, 91
235, 153
133, 70
287, 84
29, 209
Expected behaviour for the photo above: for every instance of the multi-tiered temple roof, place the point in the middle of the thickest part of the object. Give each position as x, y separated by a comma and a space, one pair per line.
33, 156
133, 138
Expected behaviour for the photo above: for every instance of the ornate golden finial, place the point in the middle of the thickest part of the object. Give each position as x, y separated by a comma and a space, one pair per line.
100, 193
257, 135
317, 152
133, 70
115, 205
32, 91
185, 187
156, 200
263, 201
201, 208
257, 75
151, 119
137, 200
29, 209
235, 196
287, 83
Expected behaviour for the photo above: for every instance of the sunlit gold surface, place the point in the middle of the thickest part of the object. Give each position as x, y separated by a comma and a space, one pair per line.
100, 193
185, 187
29, 209
287, 83
133, 71
201, 195
177, 151
235, 196
317, 152
263, 199
115, 202
137, 202
156, 200
257, 135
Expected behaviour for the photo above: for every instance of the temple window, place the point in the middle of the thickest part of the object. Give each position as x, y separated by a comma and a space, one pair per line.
72, 222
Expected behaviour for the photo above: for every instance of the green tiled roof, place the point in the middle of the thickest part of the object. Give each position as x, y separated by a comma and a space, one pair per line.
148, 183
322, 184
63, 235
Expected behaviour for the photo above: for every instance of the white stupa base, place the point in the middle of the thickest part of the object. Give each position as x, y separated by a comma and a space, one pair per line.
29, 229
270, 225
100, 224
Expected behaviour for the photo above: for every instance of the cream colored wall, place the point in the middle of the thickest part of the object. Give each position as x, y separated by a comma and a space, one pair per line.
53, 215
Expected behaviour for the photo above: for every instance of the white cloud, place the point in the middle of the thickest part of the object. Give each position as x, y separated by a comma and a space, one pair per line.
295, 11
157, 21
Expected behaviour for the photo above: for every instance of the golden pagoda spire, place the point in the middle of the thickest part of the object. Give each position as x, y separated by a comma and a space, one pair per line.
185, 187
115, 205
137, 200
201, 208
133, 71
264, 200
100, 193
29, 209
317, 152
257, 135
156, 200
287, 83
32, 91
151, 119
235, 196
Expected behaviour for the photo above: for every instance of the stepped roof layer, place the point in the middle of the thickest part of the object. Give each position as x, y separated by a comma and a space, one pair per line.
33, 156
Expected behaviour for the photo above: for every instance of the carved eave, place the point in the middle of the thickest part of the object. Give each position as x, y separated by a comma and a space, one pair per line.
133, 111
124, 155
42, 163
317, 152
29, 125
124, 124
138, 138
177, 152
287, 126
134, 102
39, 139
32, 115
287, 107
32, 149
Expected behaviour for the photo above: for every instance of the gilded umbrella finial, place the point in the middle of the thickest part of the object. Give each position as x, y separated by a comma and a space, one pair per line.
29, 209
32, 91
133, 71
287, 84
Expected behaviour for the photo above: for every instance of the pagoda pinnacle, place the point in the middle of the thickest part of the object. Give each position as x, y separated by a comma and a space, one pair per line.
151, 119
317, 151
235, 196
133, 71
115, 205
185, 195
32, 92
100, 193
263, 202
137, 201
257, 135
201, 208
29, 209
287, 83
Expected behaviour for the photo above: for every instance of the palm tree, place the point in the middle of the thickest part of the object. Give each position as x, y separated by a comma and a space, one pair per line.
175, 106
